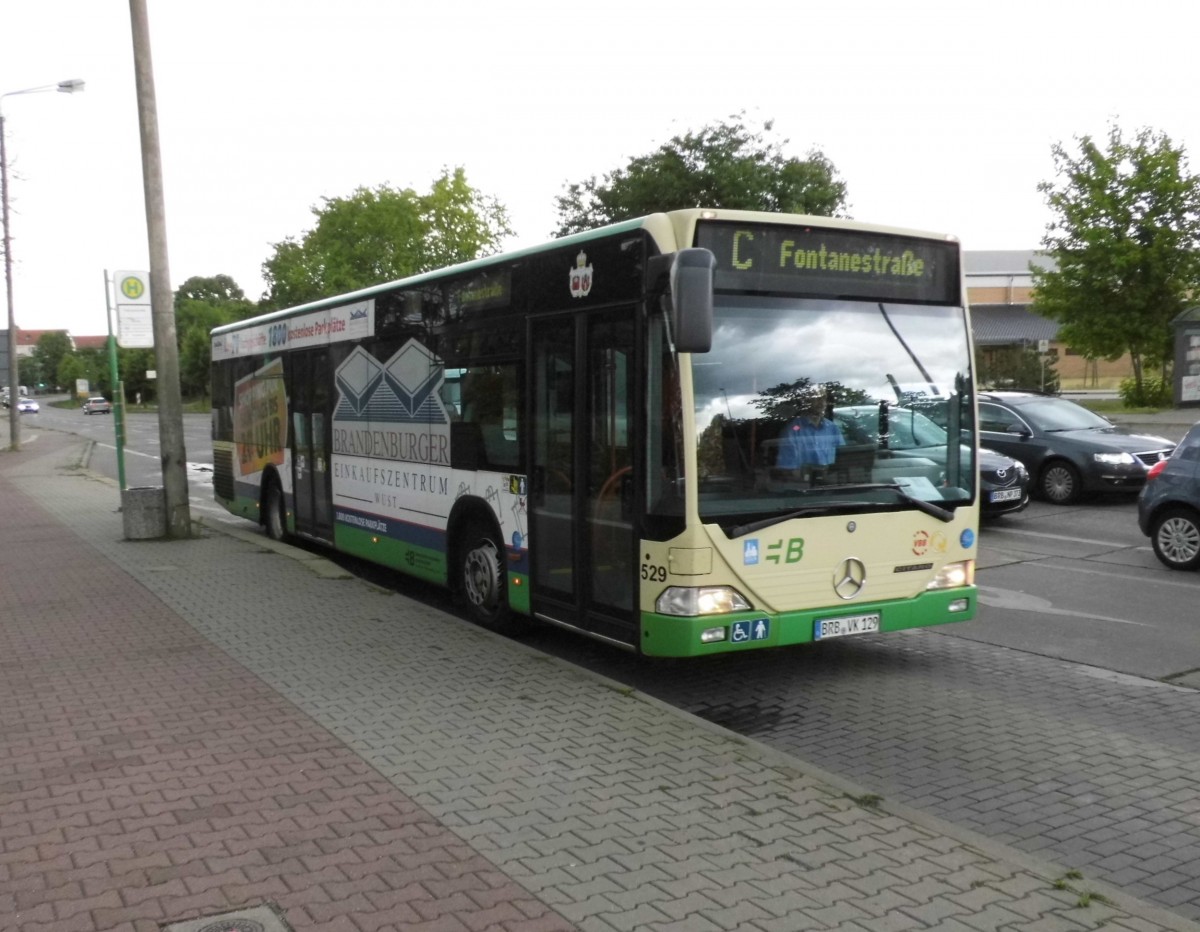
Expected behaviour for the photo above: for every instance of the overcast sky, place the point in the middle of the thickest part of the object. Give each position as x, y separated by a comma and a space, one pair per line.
938, 115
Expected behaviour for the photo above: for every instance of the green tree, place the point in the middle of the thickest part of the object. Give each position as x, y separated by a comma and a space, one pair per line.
381, 234
1126, 241
200, 305
135, 363
1017, 367
724, 164
81, 365
51, 348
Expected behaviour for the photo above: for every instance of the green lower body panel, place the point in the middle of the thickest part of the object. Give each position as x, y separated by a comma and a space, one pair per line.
241, 506
670, 636
422, 562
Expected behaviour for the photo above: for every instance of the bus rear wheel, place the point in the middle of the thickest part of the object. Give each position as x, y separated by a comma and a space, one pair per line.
480, 579
274, 511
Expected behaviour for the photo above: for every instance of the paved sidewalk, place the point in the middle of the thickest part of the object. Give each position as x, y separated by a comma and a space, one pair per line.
199, 727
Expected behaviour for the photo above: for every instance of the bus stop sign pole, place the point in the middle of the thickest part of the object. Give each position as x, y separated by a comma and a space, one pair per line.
118, 389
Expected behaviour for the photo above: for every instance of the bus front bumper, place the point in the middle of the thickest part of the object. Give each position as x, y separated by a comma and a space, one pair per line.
672, 636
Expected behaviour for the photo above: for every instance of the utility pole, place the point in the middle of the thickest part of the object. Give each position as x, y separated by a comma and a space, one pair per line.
14, 420
162, 301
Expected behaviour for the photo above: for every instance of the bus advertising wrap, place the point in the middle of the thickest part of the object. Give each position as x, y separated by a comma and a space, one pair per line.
318, 328
831, 263
260, 420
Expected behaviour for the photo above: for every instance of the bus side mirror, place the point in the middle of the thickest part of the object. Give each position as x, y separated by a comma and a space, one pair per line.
692, 299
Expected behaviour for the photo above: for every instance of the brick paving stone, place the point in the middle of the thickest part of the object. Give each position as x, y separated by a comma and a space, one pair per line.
207, 724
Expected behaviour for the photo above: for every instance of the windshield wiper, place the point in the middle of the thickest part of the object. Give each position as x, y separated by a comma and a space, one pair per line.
935, 511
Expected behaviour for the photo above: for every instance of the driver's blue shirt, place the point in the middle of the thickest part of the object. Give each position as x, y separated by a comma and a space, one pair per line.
806, 444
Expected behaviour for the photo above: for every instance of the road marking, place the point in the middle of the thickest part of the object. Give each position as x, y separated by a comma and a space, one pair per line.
1024, 602
1075, 540
109, 446
1108, 573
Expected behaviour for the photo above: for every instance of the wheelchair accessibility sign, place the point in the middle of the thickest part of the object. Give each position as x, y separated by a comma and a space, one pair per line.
756, 629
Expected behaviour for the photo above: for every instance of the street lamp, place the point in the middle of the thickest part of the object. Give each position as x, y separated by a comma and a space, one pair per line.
14, 413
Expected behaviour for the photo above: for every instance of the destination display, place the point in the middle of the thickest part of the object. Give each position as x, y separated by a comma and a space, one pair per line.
758, 257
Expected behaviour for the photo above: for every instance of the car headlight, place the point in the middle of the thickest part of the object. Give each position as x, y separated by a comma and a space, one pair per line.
689, 601
1115, 459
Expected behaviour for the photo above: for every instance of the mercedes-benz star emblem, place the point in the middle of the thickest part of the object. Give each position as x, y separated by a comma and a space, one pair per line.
849, 578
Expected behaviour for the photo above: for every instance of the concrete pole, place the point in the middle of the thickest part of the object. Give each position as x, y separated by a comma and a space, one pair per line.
14, 416
162, 301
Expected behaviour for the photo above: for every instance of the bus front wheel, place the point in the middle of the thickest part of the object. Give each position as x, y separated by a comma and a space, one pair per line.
274, 511
481, 579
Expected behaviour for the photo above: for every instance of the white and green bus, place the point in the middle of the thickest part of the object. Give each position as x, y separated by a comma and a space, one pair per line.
673, 434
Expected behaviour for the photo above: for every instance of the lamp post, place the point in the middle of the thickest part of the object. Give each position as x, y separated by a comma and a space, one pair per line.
14, 414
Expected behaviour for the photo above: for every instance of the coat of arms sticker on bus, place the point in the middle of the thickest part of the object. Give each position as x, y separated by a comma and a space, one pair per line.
581, 276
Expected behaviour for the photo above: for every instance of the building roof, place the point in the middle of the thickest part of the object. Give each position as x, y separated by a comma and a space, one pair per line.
31, 337
99, 342
1006, 324
1004, 261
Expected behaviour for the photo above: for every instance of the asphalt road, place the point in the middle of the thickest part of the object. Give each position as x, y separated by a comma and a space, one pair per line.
143, 466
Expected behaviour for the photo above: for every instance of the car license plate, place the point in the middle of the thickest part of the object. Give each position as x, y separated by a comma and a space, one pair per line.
846, 625
1006, 495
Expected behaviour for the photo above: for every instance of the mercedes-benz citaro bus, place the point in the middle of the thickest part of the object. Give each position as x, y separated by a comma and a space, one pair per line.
631, 432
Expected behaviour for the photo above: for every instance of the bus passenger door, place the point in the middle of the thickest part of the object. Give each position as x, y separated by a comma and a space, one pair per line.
582, 537
311, 433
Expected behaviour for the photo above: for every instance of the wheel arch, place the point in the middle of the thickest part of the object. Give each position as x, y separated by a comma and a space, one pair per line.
467, 511
270, 474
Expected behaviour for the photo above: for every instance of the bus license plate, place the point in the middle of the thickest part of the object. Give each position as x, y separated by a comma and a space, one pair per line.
1006, 495
841, 627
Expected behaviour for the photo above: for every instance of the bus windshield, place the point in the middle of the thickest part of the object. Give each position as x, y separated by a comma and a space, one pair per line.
832, 405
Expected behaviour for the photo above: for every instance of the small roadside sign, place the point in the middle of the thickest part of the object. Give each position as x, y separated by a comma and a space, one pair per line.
135, 326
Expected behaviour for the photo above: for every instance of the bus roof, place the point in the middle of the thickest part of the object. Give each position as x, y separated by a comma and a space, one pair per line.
671, 231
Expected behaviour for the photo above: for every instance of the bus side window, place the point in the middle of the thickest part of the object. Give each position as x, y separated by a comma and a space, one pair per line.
490, 397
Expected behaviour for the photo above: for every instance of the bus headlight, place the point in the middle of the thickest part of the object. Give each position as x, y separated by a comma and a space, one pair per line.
954, 576
705, 600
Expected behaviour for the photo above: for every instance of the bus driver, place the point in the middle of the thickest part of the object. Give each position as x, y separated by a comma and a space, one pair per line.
810, 440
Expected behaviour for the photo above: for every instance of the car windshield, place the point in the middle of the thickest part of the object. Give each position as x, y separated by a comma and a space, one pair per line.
825, 403
1060, 414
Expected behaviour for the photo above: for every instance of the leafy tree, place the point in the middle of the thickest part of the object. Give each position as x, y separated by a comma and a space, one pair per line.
200, 305
724, 164
83, 364
51, 348
135, 363
381, 234
1126, 241
1017, 367
787, 400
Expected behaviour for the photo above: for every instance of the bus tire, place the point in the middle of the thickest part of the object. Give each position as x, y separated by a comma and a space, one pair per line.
274, 510
480, 578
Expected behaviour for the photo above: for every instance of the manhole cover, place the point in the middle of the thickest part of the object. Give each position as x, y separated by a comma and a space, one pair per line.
258, 919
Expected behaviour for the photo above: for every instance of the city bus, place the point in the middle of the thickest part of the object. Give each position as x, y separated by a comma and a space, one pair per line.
677, 434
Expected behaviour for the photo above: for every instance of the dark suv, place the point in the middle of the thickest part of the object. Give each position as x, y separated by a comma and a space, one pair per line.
1067, 449
1169, 505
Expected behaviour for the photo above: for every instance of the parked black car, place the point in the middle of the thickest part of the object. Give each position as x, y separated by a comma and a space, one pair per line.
1003, 484
1068, 449
1169, 505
